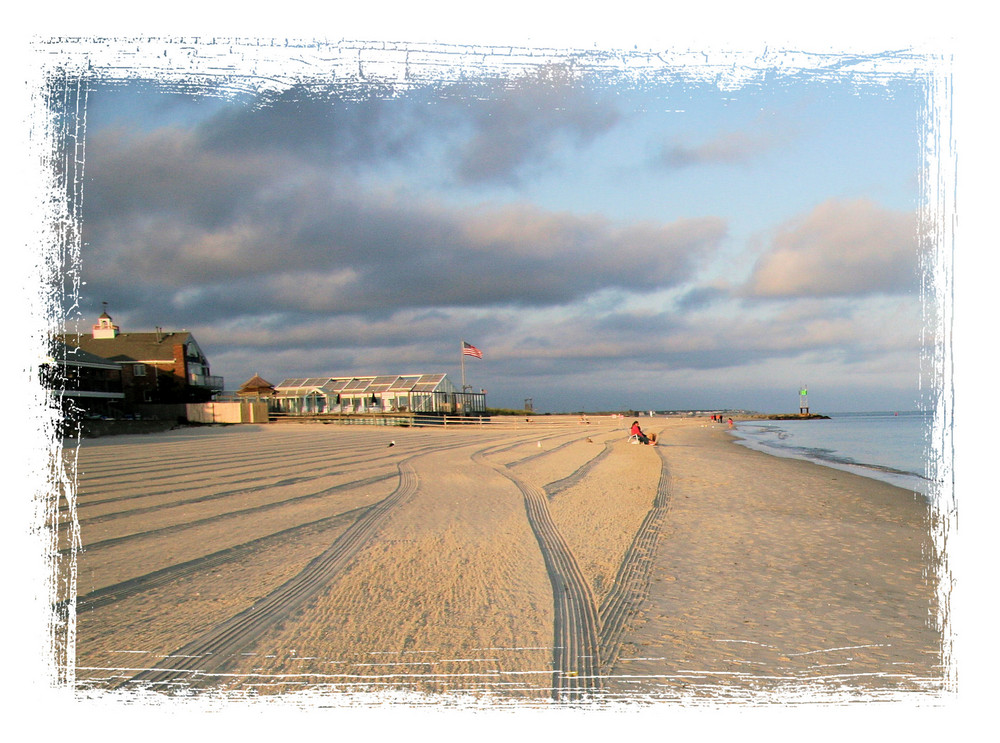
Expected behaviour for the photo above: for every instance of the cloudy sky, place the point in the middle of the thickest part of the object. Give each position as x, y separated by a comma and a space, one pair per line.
610, 241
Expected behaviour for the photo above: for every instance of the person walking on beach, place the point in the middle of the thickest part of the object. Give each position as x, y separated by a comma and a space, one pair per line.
643, 438
730, 422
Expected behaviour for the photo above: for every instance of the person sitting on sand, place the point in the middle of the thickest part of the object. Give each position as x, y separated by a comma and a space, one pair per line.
643, 438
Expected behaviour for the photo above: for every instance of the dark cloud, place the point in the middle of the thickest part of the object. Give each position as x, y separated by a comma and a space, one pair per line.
270, 188
326, 125
336, 252
522, 123
841, 248
163, 175
223, 235
478, 131
700, 297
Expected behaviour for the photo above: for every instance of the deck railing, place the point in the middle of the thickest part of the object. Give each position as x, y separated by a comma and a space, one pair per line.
383, 419
210, 381
427, 420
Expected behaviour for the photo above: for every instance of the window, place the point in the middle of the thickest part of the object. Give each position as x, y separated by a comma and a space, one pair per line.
138, 370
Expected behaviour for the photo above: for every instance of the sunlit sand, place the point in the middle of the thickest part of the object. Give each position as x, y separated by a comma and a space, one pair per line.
516, 562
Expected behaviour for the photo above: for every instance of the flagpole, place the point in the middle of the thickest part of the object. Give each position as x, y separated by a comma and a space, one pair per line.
462, 353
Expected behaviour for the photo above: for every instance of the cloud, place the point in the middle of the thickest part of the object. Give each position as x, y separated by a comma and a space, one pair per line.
166, 174
223, 235
323, 124
841, 248
727, 148
701, 297
388, 256
272, 198
484, 131
522, 124
653, 338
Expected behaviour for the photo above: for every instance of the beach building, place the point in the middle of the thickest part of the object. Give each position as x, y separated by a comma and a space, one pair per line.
256, 387
88, 385
412, 393
158, 367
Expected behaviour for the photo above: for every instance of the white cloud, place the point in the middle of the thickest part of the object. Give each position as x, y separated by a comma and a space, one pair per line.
841, 248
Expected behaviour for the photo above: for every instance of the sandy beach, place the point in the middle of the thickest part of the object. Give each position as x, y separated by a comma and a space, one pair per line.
516, 562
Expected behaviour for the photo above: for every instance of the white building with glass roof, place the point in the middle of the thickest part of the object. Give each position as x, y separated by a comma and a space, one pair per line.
413, 393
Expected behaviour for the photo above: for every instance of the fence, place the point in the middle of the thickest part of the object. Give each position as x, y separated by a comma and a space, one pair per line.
245, 411
426, 419
383, 419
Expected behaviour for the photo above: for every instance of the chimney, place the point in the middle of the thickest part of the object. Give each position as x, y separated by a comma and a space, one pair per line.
159, 334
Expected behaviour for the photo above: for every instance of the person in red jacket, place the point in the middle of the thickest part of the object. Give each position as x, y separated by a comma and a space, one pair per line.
643, 438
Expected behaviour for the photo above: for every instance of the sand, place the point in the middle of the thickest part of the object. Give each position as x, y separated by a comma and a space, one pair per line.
516, 563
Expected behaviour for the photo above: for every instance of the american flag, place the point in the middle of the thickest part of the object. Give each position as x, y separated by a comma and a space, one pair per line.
469, 350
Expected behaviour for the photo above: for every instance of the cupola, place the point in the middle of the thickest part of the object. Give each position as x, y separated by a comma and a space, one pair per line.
105, 328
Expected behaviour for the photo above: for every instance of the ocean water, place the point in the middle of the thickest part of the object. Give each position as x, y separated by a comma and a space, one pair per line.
892, 447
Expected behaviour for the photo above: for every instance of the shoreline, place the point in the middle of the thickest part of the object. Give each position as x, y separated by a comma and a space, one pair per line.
882, 473
897, 478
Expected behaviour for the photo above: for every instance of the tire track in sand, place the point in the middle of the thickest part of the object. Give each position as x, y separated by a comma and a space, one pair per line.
219, 648
587, 638
582, 660
228, 493
250, 477
631, 586
174, 528
576, 649
119, 591
554, 488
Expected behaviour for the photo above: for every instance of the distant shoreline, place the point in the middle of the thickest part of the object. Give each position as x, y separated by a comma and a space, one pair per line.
785, 417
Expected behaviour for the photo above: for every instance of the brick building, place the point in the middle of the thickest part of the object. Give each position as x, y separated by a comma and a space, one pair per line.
157, 367
87, 385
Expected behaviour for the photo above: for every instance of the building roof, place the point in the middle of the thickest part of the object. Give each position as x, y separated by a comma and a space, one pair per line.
256, 382
428, 382
74, 356
130, 347
361, 385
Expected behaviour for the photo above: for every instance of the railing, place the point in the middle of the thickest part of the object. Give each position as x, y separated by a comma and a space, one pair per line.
427, 420
203, 380
383, 419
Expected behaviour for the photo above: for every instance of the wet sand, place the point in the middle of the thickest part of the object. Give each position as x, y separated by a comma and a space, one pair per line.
510, 563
